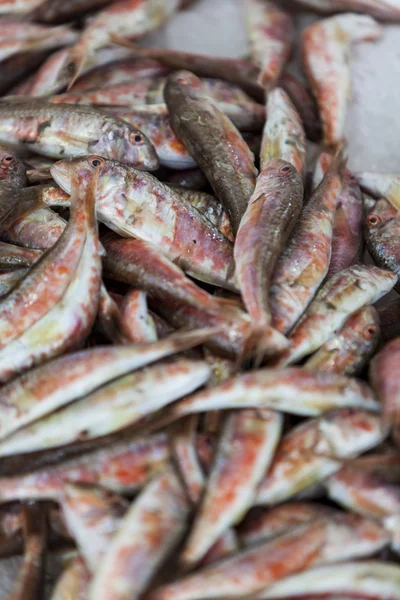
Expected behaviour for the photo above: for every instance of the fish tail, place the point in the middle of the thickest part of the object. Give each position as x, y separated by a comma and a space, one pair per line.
78, 60
121, 41
339, 159
264, 343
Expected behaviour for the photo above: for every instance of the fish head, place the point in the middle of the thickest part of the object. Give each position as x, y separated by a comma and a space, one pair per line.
382, 226
363, 326
280, 172
182, 84
12, 169
123, 142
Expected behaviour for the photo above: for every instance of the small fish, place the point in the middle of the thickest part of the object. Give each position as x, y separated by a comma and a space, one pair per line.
120, 71
135, 204
38, 392
381, 185
148, 533
92, 516
14, 257
283, 135
326, 49
264, 524
29, 584
349, 350
311, 451
186, 458
240, 72
131, 18
73, 582
124, 468
111, 408
52, 11
292, 390
384, 378
381, 227
135, 320
58, 131
271, 33
39, 229
304, 104
304, 263
171, 152
341, 296
176, 297
213, 141
381, 9
272, 211
245, 449
371, 579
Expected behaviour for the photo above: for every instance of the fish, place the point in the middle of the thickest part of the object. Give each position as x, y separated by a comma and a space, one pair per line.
389, 319
213, 141
176, 297
313, 450
73, 582
293, 390
131, 18
381, 185
52, 309
262, 524
283, 135
273, 209
152, 527
381, 225
348, 238
10, 279
304, 263
241, 72
349, 350
271, 32
258, 567
18, 6
111, 408
226, 545
183, 442
93, 516
12, 170
124, 468
37, 229
304, 103
58, 131
341, 295
14, 257
245, 449
29, 584
50, 11
37, 393
386, 9
367, 579
136, 321
171, 152
135, 204
383, 375
326, 49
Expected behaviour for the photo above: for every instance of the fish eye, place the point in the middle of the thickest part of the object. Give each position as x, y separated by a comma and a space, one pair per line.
370, 331
352, 178
137, 138
285, 169
96, 161
373, 220
8, 159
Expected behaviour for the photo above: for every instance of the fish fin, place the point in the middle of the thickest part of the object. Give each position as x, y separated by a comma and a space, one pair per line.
79, 60
124, 42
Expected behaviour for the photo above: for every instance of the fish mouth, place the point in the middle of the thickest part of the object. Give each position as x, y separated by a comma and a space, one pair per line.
61, 175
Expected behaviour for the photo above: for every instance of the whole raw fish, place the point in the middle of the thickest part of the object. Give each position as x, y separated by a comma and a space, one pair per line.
326, 48
213, 142
382, 185
111, 408
283, 135
147, 535
135, 320
311, 451
385, 380
272, 212
16, 38
292, 390
40, 228
135, 204
381, 227
186, 458
271, 32
59, 131
14, 257
305, 104
245, 449
342, 295
120, 71
304, 263
349, 350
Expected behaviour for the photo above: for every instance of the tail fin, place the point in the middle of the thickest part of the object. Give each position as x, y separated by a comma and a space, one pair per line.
78, 60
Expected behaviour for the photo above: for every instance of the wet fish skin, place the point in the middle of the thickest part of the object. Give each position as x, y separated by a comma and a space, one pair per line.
136, 321
386, 10
213, 142
10, 279
381, 227
58, 131
342, 295
283, 135
304, 104
293, 390
12, 170
326, 47
313, 450
304, 263
271, 32
14, 257
150, 530
349, 350
18, 6
244, 452
51, 11
135, 204
384, 378
389, 318
265, 226
117, 405
183, 442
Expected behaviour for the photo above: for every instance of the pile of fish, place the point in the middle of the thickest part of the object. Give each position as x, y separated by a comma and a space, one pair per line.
199, 399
